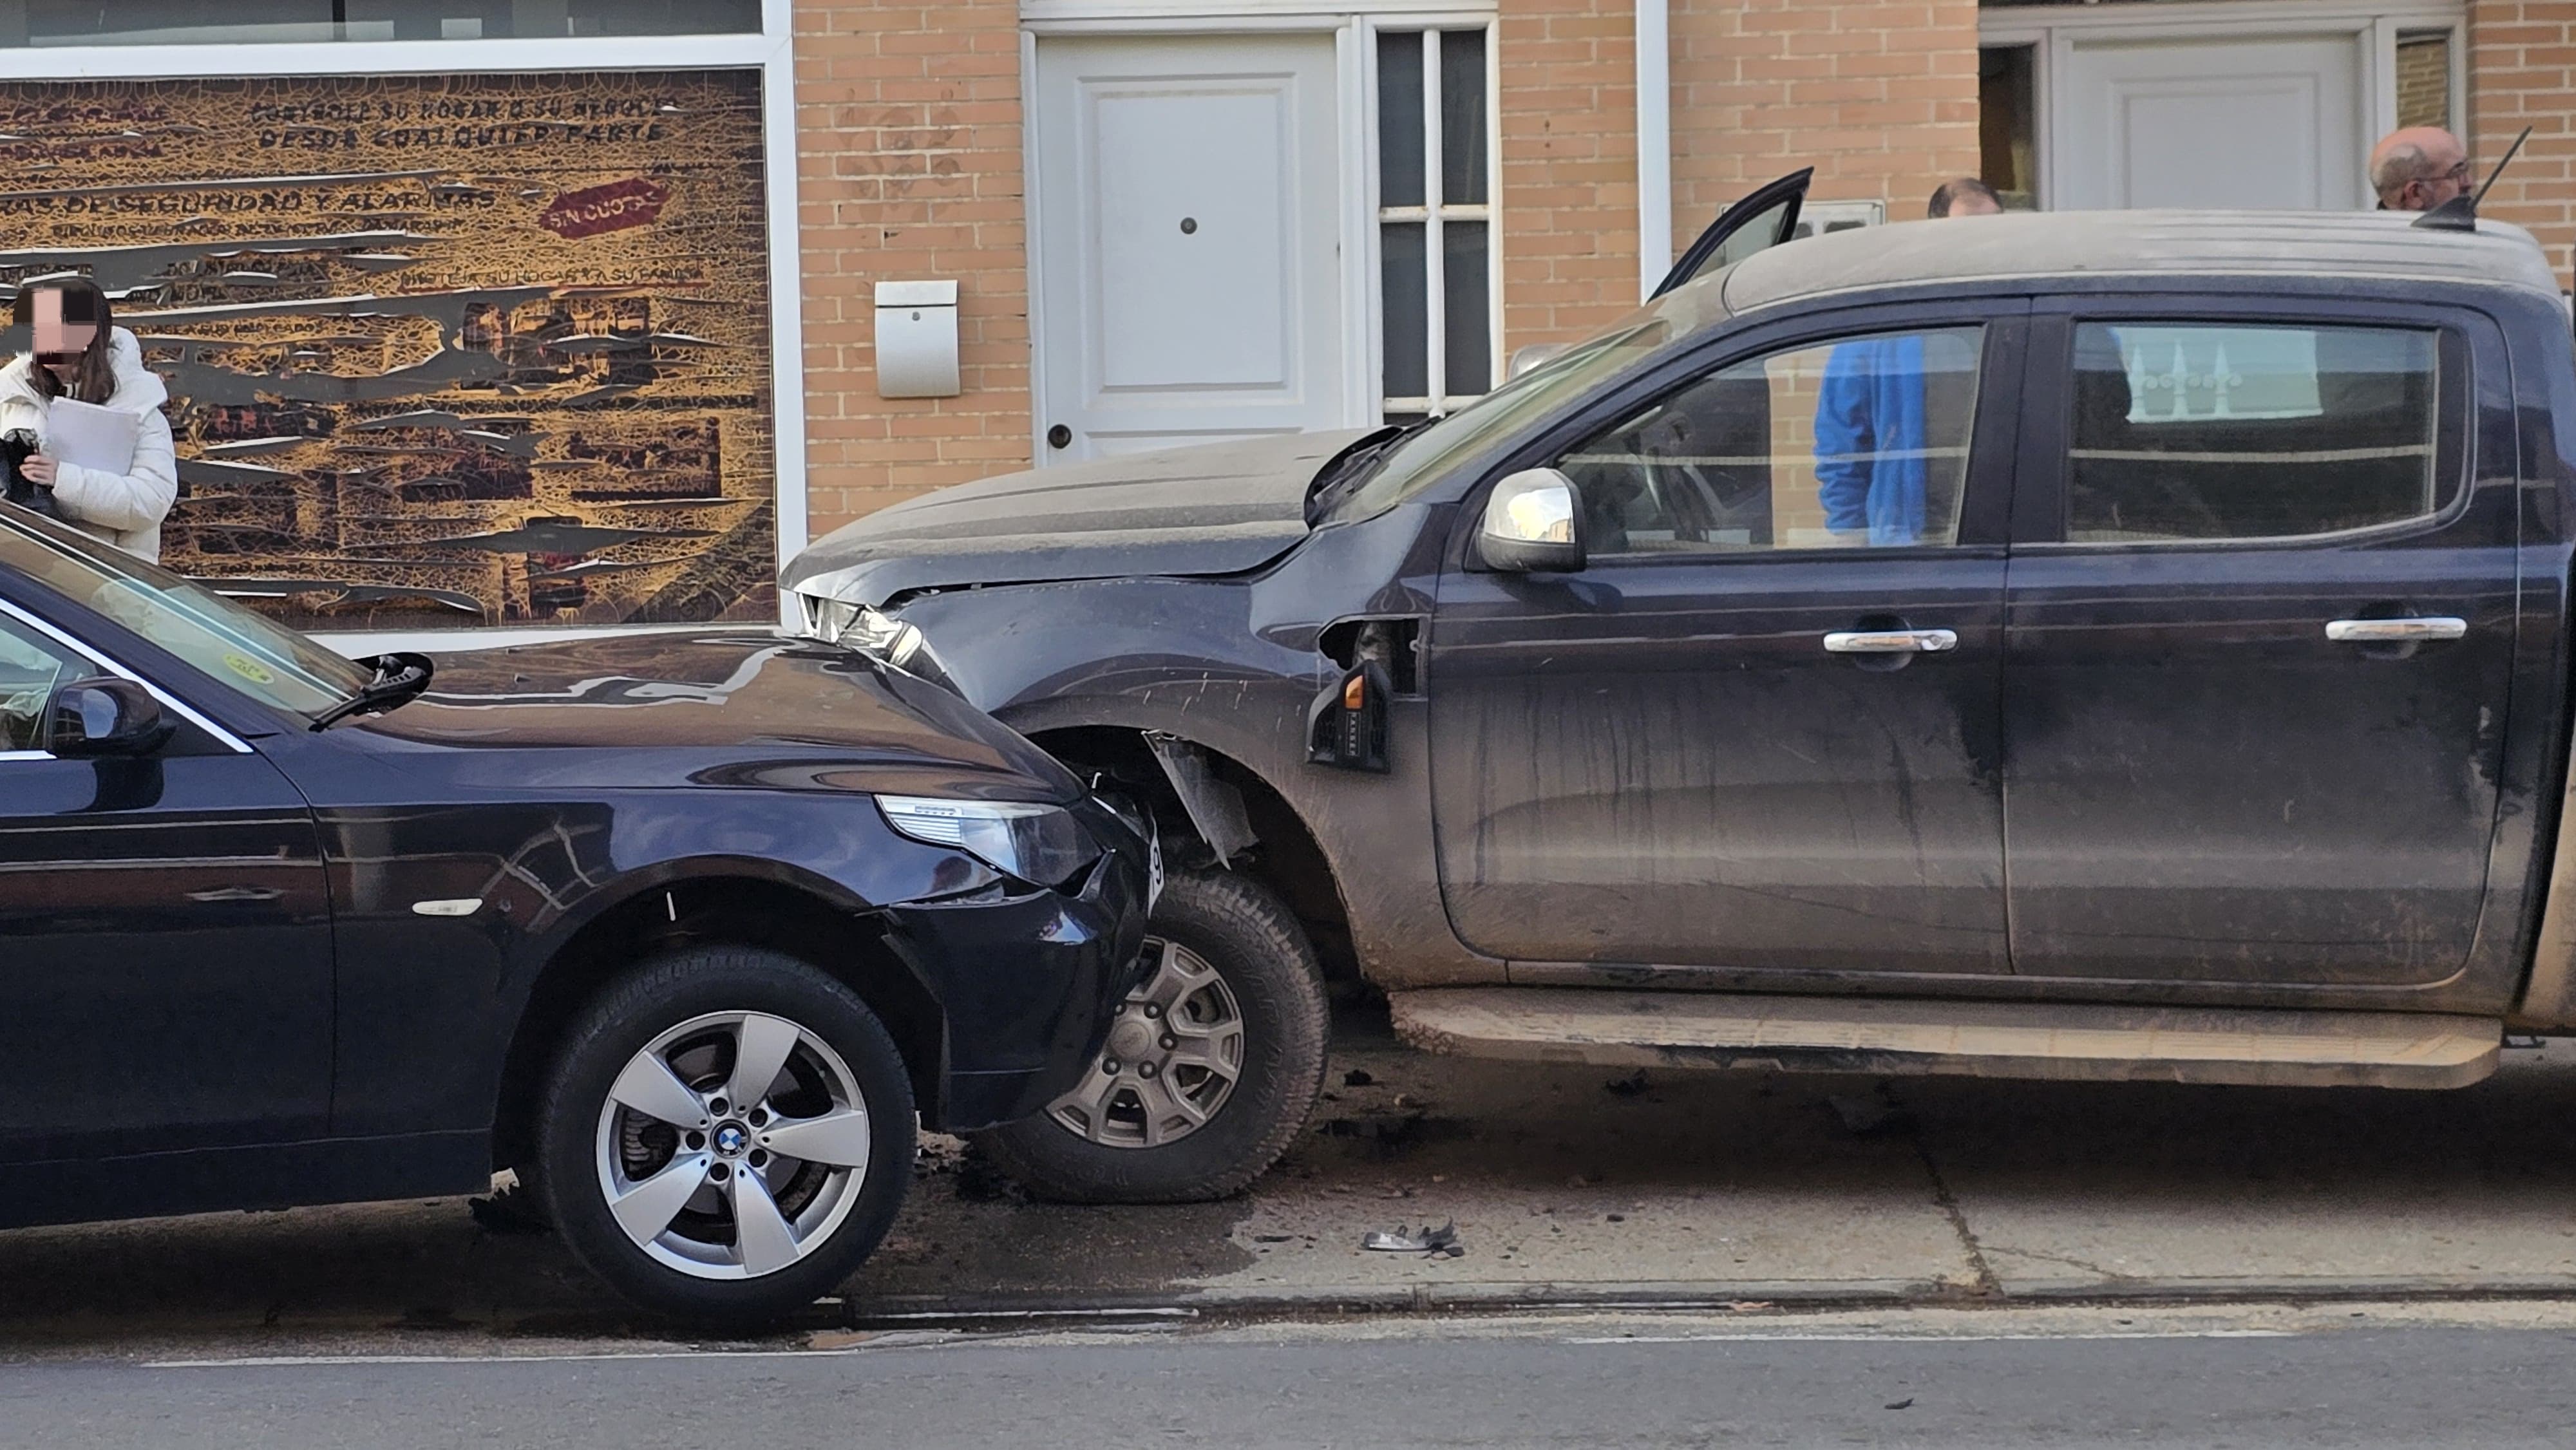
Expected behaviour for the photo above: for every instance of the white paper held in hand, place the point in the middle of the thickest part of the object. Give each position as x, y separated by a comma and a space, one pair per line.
90, 436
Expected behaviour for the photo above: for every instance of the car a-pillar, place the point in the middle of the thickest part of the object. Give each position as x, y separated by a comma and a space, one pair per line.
1215, 1061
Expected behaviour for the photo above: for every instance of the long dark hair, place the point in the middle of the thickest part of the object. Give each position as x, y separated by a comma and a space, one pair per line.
94, 380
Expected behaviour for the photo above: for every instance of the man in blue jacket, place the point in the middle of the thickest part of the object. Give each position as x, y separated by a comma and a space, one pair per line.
1876, 459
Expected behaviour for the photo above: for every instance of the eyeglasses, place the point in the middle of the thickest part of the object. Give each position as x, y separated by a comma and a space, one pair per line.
2459, 174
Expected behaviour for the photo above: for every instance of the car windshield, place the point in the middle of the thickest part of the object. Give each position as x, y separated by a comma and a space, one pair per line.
1428, 456
255, 655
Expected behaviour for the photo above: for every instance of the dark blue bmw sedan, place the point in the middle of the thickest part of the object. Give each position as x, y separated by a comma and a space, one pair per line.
688, 930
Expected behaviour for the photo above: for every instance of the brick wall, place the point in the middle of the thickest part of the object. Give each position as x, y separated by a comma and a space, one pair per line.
908, 167
1567, 99
2522, 72
1880, 96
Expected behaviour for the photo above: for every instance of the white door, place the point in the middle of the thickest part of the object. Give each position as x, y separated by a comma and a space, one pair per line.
1189, 241
2210, 123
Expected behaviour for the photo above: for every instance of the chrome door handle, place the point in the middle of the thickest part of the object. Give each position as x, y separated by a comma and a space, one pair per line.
2395, 631
1890, 641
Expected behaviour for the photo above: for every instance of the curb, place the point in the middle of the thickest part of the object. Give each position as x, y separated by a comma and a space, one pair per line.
1033, 1310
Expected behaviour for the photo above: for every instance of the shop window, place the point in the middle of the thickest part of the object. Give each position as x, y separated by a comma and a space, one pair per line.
1435, 219
442, 349
195, 22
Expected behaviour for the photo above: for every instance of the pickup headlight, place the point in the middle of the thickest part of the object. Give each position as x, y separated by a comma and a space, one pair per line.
1040, 844
874, 633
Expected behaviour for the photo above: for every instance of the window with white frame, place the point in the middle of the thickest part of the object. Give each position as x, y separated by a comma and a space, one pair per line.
1435, 184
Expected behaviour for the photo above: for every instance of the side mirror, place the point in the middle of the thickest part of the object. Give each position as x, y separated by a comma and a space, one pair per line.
99, 717
1533, 524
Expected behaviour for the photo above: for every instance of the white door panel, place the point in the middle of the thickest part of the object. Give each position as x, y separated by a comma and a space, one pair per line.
2211, 123
1188, 213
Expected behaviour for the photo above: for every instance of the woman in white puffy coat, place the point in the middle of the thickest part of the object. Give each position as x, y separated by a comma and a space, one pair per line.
125, 509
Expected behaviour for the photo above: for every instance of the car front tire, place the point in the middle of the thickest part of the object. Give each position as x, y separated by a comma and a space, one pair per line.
1213, 1065
726, 1134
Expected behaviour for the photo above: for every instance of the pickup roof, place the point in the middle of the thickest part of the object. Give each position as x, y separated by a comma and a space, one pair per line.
2096, 645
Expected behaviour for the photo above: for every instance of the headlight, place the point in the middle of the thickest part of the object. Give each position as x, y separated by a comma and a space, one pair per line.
1041, 844
871, 632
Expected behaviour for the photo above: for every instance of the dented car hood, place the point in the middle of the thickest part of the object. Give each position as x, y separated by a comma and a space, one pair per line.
1212, 509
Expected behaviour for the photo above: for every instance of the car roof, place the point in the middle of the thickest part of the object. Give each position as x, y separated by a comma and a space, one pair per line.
2036, 246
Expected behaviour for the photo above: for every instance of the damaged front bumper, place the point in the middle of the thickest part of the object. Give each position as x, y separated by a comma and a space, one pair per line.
1027, 978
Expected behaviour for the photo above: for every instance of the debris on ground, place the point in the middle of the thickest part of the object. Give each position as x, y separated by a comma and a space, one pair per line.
1903, 1404
981, 1180
1750, 1306
1869, 1116
1357, 1077
1401, 1240
1272, 1238
1633, 1085
510, 1211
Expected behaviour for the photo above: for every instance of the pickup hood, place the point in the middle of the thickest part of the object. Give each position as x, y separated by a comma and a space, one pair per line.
720, 708
1212, 509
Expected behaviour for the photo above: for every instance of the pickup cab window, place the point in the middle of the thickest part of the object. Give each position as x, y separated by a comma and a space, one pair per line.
2189, 431
1860, 442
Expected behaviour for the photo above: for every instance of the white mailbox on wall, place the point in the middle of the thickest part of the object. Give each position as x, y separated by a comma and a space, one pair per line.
917, 340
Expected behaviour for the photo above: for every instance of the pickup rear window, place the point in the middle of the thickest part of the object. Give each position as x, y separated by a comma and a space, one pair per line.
2198, 431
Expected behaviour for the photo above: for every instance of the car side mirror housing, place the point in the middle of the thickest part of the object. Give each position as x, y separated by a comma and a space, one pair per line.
105, 717
1533, 524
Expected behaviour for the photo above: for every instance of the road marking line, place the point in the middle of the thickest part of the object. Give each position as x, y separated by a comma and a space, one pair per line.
1922, 1337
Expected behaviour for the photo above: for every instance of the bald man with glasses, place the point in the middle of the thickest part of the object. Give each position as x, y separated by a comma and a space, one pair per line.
2418, 169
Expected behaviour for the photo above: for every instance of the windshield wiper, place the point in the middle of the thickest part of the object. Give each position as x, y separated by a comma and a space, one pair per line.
400, 678
1353, 461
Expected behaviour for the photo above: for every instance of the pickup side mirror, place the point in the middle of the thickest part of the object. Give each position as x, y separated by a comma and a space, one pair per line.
1533, 524
105, 717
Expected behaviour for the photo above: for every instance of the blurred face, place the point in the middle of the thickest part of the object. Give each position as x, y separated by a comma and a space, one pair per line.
66, 324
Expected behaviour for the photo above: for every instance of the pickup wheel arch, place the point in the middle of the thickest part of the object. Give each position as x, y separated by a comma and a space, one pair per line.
1284, 853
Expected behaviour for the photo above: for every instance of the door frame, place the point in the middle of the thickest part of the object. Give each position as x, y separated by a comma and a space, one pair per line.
1353, 25
2053, 32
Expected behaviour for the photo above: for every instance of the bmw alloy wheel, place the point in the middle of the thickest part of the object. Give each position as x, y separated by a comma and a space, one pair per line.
733, 1145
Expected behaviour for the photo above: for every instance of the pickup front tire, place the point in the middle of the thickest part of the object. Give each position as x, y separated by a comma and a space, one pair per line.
1213, 1063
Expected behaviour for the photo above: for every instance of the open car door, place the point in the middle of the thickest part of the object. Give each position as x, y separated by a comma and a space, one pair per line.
1766, 218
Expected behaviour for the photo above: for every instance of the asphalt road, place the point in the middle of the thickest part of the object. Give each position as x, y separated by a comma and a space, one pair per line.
1990, 1381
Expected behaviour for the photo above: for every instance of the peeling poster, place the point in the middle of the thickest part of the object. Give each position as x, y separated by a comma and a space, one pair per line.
443, 350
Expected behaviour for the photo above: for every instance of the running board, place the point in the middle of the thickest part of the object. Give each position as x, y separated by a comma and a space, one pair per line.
1611, 1028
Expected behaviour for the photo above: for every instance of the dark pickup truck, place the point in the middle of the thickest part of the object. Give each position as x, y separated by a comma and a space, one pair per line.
2126, 646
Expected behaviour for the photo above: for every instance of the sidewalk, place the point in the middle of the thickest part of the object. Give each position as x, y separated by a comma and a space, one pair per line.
1567, 1185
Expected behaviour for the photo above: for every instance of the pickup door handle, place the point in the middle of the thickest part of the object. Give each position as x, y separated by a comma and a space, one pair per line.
1890, 641
2395, 631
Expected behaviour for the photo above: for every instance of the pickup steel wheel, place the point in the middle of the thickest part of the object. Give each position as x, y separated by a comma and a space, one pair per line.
727, 1133
1174, 1055
1211, 1067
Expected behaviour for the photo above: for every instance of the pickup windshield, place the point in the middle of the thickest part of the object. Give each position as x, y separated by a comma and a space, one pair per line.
253, 654
1424, 458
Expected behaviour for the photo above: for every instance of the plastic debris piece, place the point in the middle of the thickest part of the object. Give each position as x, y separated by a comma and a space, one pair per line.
1905, 1403
1402, 1240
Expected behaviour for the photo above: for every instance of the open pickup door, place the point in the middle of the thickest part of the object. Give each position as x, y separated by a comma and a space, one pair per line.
1764, 219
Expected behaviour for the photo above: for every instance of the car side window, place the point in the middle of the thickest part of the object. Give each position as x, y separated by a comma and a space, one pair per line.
32, 667
1858, 442
2188, 431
